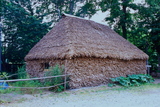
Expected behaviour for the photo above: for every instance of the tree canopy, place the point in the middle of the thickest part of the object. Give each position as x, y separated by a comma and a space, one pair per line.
22, 29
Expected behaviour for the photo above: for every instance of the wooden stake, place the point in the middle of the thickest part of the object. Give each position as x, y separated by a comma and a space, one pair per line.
65, 78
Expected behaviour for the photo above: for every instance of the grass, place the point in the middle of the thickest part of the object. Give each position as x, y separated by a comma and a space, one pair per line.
21, 100
143, 87
2, 102
105, 88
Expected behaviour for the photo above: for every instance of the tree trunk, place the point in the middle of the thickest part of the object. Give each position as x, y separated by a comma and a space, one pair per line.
0, 46
71, 7
124, 18
158, 62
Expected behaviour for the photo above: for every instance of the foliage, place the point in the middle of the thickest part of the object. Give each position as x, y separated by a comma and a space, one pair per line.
149, 17
3, 75
133, 80
148, 30
22, 29
54, 71
158, 71
55, 8
22, 74
120, 17
111, 84
88, 9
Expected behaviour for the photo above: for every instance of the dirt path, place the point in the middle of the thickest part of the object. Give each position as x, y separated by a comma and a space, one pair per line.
102, 96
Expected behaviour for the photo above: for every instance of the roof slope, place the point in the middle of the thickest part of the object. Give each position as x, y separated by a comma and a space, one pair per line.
77, 37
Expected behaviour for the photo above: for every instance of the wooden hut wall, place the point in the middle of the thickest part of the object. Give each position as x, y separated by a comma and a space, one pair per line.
36, 68
96, 71
90, 71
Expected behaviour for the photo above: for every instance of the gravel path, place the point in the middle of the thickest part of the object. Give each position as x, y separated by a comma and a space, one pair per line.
101, 96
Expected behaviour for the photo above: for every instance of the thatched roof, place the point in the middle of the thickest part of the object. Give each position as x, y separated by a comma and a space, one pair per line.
77, 37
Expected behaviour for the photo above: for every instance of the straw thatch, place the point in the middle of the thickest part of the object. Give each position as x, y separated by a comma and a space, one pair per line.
89, 50
75, 37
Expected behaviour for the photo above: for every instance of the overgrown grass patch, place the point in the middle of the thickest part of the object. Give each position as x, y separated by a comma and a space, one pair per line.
29, 87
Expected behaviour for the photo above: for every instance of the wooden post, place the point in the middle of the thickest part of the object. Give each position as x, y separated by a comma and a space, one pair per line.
65, 81
158, 63
65, 78
0, 46
148, 68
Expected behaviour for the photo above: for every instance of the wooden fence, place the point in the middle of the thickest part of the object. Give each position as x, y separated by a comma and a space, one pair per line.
29, 79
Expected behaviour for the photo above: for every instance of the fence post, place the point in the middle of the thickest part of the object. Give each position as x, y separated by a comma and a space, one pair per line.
65, 81
65, 78
148, 68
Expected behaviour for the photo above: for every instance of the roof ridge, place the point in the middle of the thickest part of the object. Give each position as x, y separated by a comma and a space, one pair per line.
68, 15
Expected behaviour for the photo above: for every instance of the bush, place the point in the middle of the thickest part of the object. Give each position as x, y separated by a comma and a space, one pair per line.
54, 71
133, 80
21, 73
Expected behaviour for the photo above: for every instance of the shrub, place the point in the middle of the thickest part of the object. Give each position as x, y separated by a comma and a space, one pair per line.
133, 80
21, 73
54, 71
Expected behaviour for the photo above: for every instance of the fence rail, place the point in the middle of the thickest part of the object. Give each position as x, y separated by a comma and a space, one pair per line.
15, 80
12, 75
36, 87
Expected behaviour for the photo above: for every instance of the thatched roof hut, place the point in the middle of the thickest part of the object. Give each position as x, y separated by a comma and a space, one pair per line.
91, 51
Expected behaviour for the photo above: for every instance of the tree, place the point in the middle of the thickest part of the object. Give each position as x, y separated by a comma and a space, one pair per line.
88, 9
149, 18
22, 28
120, 17
82, 8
